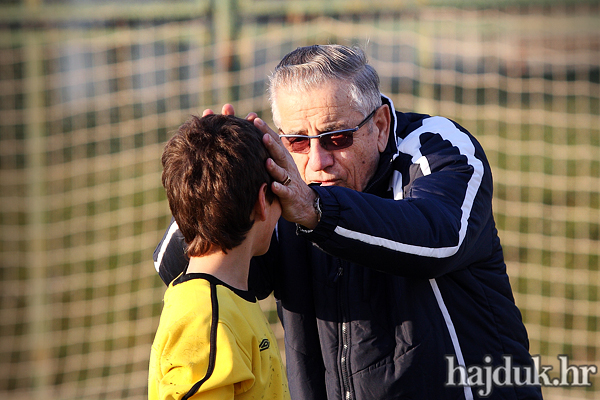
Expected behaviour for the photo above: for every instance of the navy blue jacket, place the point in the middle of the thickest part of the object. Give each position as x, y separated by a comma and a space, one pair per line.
395, 278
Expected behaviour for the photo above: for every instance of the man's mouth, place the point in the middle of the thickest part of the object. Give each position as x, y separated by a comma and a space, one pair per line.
332, 182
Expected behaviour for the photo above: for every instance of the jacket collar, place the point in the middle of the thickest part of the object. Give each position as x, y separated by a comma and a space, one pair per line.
379, 180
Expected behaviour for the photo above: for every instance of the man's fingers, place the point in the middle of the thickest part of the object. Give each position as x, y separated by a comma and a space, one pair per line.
277, 152
272, 142
278, 173
281, 191
262, 126
228, 110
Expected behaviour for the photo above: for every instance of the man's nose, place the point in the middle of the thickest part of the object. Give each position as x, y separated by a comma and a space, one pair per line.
318, 157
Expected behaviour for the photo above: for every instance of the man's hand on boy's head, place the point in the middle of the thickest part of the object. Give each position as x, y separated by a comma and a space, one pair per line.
295, 196
229, 110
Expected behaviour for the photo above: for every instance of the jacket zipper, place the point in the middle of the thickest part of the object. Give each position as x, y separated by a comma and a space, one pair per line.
347, 393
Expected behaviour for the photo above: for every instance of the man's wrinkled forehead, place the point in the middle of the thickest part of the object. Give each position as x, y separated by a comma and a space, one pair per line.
327, 106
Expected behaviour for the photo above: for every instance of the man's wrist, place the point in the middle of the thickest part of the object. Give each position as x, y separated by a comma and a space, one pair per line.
313, 217
317, 207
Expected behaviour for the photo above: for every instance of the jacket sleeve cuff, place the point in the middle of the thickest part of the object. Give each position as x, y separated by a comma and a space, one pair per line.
329, 219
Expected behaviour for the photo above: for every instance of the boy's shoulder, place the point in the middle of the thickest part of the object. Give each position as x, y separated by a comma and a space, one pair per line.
189, 284
192, 282
184, 304
190, 296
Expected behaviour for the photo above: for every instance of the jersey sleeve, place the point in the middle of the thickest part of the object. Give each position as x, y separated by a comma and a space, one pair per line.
184, 361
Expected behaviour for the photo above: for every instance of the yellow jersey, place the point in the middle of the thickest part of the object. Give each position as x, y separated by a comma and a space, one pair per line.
214, 342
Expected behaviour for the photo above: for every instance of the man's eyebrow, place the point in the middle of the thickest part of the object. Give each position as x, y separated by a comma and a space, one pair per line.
300, 132
333, 126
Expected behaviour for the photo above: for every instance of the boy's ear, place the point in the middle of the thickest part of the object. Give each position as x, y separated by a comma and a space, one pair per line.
261, 205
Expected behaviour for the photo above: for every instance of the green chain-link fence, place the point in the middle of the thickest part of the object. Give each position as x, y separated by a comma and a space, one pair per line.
90, 91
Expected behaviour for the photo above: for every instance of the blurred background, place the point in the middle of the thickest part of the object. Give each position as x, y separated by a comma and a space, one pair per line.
91, 90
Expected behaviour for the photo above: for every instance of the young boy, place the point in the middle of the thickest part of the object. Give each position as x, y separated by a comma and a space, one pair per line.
213, 340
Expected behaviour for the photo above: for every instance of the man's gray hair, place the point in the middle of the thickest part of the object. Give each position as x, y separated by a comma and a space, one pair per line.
310, 67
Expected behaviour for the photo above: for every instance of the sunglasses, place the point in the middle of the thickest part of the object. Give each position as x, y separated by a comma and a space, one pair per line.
334, 140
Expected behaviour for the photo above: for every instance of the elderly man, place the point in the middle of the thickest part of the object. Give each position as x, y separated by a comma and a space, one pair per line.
387, 266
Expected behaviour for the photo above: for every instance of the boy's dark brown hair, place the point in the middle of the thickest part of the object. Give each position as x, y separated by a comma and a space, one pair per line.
213, 168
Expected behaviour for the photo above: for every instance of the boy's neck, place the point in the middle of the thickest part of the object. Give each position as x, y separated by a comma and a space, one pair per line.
231, 267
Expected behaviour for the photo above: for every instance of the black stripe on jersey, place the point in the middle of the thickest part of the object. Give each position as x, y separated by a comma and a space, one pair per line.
212, 357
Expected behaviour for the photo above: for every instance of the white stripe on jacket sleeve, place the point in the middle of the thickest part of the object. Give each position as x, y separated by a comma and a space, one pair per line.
411, 145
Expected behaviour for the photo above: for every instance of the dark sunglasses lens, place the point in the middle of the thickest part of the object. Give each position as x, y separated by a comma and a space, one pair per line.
296, 145
337, 141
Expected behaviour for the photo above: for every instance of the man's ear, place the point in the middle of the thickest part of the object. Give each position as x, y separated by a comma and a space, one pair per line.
382, 120
261, 205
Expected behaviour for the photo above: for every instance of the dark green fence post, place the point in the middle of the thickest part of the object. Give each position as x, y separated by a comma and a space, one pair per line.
225, 34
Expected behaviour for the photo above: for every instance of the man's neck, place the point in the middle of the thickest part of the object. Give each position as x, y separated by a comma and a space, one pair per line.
231, 267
